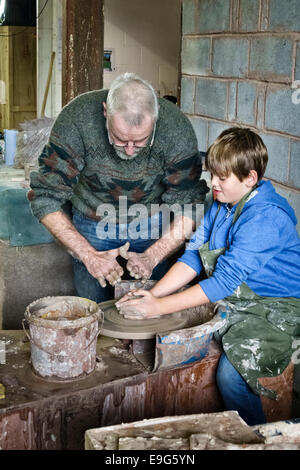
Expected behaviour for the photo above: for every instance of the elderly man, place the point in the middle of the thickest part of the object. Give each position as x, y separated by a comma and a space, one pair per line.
115, 152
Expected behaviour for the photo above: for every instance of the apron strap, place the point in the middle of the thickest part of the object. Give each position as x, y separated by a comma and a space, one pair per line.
238, 210
241, 205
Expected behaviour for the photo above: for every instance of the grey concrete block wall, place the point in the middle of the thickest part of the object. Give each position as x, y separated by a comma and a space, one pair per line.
246, 103
271, 58
230, 57
211, 97
278, 150
297, 73
212, 16
284, 16
281, 114
29, 273
294, 175
249, 15
196, 56
241, 67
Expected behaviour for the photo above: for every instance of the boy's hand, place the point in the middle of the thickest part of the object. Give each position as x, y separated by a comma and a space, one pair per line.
139, 304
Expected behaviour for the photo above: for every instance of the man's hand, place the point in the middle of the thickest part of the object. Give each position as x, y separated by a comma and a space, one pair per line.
140, 265
139, 304
103, 265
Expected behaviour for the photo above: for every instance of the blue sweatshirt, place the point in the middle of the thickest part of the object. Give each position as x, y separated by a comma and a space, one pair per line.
264, 247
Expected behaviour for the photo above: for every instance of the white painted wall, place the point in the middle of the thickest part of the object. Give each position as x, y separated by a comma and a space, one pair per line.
145, 35
49, 28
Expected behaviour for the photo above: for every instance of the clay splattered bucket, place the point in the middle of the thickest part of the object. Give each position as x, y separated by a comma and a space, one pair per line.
63, 334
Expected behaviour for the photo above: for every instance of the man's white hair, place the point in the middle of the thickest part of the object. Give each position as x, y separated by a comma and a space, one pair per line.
133, 98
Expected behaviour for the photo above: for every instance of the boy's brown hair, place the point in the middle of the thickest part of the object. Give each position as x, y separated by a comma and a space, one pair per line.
237, 150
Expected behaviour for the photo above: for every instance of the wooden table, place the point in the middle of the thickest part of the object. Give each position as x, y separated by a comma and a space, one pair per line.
39, 414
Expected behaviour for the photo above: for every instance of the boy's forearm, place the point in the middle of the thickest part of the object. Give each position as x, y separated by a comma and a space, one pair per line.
179, 275
191, 297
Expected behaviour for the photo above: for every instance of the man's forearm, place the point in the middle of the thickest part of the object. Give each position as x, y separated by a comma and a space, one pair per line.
62, 229
180, 229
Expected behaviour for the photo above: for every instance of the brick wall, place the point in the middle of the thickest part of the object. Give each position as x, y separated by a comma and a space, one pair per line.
241, 66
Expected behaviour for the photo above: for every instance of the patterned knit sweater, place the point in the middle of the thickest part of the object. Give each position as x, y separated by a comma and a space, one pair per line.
79, 165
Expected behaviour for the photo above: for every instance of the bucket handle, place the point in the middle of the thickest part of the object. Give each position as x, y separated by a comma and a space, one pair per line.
51, 353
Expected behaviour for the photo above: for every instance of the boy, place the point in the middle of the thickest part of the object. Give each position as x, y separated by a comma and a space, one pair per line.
249, 248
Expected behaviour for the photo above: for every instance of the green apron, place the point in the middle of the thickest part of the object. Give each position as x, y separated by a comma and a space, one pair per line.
259, 331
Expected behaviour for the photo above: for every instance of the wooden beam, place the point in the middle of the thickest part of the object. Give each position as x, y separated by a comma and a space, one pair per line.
82, 58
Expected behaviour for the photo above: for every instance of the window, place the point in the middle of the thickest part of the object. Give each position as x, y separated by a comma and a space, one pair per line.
109, 60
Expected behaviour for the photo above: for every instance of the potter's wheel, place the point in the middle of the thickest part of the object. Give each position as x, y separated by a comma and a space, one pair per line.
116, 326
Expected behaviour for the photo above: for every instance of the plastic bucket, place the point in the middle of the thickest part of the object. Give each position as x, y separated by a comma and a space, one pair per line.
10, 139
63, 334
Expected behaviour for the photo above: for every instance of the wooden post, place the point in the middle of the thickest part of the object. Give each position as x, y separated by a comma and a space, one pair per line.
82, 58
48, 84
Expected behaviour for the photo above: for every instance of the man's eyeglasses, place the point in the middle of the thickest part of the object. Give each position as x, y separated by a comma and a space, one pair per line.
137, 146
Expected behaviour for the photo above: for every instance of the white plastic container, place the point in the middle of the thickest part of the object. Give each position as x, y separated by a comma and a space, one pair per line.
10, 139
